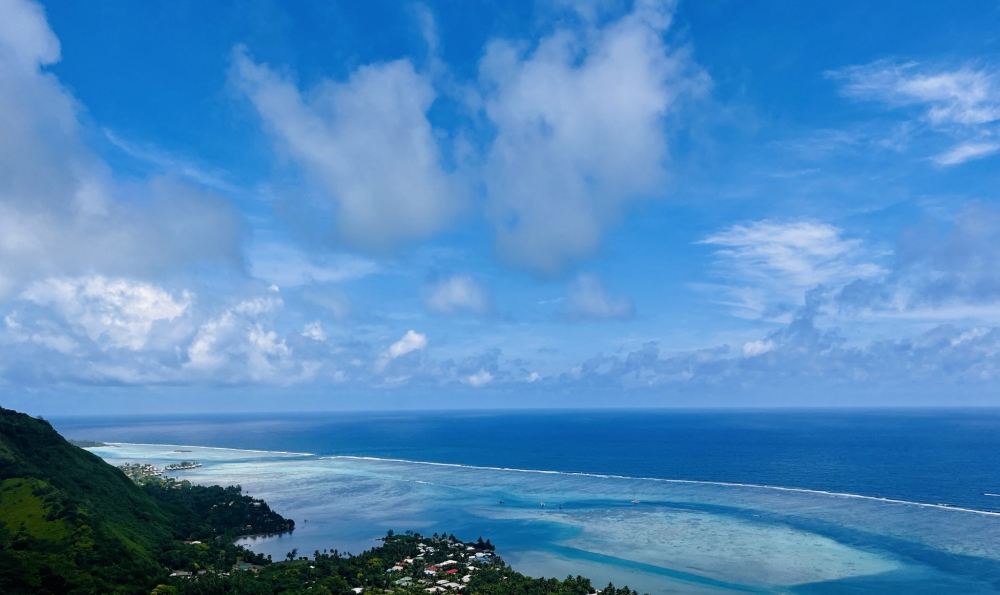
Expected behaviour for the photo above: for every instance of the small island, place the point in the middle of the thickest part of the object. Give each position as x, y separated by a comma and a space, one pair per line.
85, 443
182, 466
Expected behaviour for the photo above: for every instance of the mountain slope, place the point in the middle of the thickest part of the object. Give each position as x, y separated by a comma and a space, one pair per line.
71, 522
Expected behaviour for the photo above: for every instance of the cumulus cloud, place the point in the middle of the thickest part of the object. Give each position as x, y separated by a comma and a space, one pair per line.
98, 330
580, 131
411, 341
116, 313
237, 346
367, 140
938, 271
803, 352
314, 331
589, 299
963, 101
460, 292
480, 378
61, 212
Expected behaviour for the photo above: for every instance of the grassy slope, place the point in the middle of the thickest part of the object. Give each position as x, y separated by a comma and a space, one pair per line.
64, 509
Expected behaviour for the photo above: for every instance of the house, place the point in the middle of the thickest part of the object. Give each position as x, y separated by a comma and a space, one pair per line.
181, 573
357, 589
405, 581
466, 578
451, 571
448, 563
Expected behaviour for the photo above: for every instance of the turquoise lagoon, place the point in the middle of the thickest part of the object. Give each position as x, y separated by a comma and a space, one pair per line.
679, 537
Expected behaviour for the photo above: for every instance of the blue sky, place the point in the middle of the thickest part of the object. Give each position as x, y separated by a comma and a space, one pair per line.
377, 205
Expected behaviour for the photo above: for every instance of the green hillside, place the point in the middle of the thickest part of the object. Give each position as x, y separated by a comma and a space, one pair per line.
70, 520
71, 523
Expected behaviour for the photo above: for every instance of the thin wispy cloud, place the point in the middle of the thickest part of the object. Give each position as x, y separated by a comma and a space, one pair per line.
766, 262
167, 163
962, 101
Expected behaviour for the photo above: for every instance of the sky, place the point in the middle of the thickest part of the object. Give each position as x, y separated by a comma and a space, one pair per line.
215, 207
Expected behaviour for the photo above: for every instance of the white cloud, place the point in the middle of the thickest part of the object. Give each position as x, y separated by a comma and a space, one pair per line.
288, 266
172, 164
314, 331
116, 313
480, 378
759, 347
963, 101
239, 346
967, 152
460, 292
533, 377
411, 341
766, 261
60, 214
368, 142
580, 131
590, 300
25, 34
964, 95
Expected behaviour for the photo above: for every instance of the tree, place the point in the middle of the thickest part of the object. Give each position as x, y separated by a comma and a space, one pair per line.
291, 555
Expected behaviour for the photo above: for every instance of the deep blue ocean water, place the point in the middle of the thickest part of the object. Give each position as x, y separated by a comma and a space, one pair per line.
368, 472
933, 456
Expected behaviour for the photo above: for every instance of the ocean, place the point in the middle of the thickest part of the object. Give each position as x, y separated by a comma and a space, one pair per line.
668, 502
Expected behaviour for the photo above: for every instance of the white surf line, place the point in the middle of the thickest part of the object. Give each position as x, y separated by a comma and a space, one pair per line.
277, 452
682, 481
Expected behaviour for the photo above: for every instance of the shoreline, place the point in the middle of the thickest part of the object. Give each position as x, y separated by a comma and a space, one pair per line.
885, 500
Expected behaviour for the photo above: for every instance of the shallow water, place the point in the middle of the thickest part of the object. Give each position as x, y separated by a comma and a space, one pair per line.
681, 537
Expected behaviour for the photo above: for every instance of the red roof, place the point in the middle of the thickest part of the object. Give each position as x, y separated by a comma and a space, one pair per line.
432, 568
452, 571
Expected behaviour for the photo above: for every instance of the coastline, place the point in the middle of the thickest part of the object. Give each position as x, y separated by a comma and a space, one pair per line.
730, 533
790, 489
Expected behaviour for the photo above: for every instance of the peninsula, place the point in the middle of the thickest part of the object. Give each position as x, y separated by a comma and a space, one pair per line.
71, 523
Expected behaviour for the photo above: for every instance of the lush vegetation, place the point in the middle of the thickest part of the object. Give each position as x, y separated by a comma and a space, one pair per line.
72, 524
405, 564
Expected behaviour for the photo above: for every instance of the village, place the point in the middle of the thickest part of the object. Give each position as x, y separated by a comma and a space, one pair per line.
442, 564
141, 472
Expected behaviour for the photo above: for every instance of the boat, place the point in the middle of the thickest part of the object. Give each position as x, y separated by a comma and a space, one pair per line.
543, 505
501, 502
634, 501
